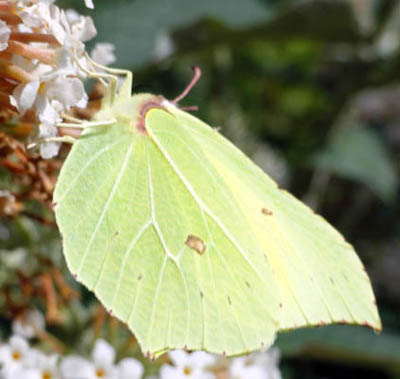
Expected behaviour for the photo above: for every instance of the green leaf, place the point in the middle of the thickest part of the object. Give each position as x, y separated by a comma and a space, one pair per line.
143, 27
359, 154
183, 238
142, 22
339, 343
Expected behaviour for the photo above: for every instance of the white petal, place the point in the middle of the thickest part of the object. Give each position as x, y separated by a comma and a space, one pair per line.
89, 4
68, 91
72, 365
35, 16
179, 357
103, 353
253, 372
47, 363
269, 361
49, 150
24, 96
47, 130
164, 46
47, 115
130, 368
60, 27
21, 328
72, 15
34, 358
84, 29
103, 53
24, 373
5, 32
202, 374
82, 103
27, 325
66, 65
5, 354
57, 28
201, 359
169, 372
20, 344
110, 372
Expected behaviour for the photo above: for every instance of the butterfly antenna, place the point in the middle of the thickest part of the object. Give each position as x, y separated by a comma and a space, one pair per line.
195, 79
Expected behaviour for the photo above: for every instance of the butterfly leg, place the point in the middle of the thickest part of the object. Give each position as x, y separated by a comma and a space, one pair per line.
128, 81
63, 139
72, 119
111, 86
116, 71
79, 124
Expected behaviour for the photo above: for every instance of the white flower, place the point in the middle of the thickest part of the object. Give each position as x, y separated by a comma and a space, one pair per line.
23, 373
47, 366
103, 53
102, 365
241, 368
41, 367
84, 29
24, 96
71, 30
103, 357
129, 368
163, 46
36, 15
256, 366
50, 98
80, 27
49, 117
73, 364
5, 32
186, 365
269, 360
28, 324
57, 27
89, 4
13, 356
49, 75
68, 92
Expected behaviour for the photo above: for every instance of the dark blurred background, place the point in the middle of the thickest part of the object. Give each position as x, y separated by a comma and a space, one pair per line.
311, 91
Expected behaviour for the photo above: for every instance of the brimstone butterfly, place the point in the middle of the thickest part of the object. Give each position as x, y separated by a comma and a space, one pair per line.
186, 240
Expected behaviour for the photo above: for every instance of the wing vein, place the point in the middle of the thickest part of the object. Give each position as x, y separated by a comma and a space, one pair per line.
127, 253
201, 204
164, 245
288, 244
83, 169
156, 297
107, 204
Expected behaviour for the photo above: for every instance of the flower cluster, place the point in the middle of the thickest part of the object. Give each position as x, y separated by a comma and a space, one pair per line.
18, 360
43, 62
201, 365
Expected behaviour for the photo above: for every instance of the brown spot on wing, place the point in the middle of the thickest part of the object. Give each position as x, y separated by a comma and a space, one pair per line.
266, 212
195, 243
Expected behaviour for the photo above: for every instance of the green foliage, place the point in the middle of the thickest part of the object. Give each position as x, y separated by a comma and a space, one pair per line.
359, 154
